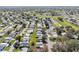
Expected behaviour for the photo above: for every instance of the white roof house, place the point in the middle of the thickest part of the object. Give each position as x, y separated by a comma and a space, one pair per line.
38, 35
27, 34
39, 44
24, 49
4, 44
8, 38
51, 28
26, 38
39, 29
54, 34
30, 30
63, 33
39, 25
75, 36
1, 34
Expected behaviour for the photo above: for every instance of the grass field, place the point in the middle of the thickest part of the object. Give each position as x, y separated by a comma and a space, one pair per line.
65, 23
33, 37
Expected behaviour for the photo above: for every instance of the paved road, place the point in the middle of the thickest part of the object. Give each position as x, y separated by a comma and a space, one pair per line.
11, 48
49, 43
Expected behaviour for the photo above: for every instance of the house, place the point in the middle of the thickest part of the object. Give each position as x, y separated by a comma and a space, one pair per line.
38, 34
10, 27
40, 37
39, 25
26, 38
2, 25
32, 25
38, 40
47, 31
1, 34
27, 41
8, 38
6, 41
54, 35
78, 22
23, 44
1, 49
4, 44
24, 49
27, 35
39, 29
75, 36
29, 30
63, 33
52, 28
39, 44
3, 20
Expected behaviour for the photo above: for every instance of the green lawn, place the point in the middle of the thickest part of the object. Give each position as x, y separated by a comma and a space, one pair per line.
7, 48
33, 37
57, 25
66, 23
15, 50
72, 25
3, 37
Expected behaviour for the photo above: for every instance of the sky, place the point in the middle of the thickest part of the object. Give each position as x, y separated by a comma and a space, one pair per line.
39, 3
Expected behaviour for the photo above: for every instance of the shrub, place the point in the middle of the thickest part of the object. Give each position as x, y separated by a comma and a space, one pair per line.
66, 46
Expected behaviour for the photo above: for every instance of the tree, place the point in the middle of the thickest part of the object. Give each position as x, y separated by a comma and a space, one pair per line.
59, 47
18, 37
44, 38
60, 18
52, 39
8, 32
33, 44
24, 25
30, 50
43, 31
16, 45
59, 31
78, 37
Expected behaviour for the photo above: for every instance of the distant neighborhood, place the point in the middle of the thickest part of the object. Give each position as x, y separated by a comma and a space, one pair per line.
39, 29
